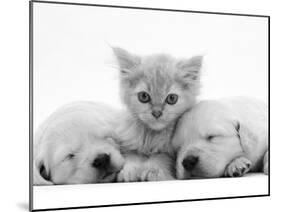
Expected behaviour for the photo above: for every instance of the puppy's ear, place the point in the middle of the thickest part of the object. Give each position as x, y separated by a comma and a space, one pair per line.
126, 61
41, 175
248, 138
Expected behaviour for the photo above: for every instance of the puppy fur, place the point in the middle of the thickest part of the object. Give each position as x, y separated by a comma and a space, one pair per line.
68, 143
226, 137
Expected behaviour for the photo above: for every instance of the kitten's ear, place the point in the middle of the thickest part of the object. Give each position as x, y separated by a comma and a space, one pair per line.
190, 69
126, 60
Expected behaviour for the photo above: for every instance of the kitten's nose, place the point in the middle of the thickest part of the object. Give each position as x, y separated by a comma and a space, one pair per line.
190, 162
156, 113
102, 161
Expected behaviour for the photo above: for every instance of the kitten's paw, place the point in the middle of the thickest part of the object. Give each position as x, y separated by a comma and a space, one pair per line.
155, 174
238, 167
129, 174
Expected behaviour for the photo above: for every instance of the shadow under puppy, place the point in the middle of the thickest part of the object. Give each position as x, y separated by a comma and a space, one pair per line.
74, 146
226, 137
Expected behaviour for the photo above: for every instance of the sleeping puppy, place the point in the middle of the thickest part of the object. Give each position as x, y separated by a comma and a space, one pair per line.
227, 137
74, 146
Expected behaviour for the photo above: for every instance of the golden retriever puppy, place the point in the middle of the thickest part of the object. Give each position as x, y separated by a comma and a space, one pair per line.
227, 137
74, 146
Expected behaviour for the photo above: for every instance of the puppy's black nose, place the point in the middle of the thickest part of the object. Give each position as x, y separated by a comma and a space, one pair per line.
190, 162
101, 161
156, 113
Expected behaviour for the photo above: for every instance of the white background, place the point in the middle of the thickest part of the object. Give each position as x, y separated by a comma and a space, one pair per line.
14, 107
73, 60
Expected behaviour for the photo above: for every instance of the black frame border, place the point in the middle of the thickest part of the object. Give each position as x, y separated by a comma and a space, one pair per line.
31, 103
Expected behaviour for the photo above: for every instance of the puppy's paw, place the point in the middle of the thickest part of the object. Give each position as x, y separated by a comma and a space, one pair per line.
129, 174
238, 167
155, 174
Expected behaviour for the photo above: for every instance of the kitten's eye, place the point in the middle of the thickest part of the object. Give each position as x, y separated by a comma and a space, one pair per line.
172, 99
70, 156
143, 97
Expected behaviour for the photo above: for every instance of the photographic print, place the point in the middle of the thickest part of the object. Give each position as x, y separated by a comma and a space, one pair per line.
127, 99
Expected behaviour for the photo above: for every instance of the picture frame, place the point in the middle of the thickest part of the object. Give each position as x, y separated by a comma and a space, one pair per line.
99, 192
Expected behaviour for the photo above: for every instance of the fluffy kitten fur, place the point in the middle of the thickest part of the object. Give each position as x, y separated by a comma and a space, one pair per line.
158, 75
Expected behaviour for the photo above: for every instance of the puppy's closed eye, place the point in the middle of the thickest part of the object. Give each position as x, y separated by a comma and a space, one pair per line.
70, 156
210, 137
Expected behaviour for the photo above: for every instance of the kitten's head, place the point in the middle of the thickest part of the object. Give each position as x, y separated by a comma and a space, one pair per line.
157, 89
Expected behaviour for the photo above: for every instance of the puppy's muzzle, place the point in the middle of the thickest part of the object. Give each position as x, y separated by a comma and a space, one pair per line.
190, 162
102, 161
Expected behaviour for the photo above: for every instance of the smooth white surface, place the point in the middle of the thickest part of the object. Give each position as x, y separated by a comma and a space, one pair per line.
14, 106
104, 194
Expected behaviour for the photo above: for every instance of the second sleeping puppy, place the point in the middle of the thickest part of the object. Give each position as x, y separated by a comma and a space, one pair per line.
226, 137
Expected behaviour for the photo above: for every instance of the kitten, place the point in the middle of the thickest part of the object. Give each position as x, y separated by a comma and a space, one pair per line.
156, 90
